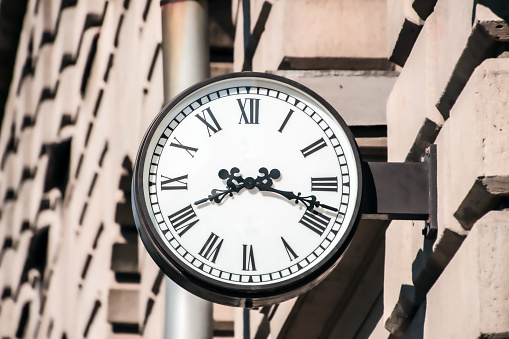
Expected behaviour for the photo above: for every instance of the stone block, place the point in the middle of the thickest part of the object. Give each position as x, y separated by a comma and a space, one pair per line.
346, 28
460, 45
124, 258
397, 271
438, 68
359, 96
123, 306
473, 152
469, 300
413, 121
403, 27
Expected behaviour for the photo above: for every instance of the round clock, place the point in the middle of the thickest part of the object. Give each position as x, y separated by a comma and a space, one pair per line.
246, 189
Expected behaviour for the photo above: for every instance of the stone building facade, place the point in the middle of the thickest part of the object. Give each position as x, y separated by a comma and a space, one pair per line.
87, 80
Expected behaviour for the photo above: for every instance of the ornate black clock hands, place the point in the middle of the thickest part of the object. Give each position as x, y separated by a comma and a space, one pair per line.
235, 183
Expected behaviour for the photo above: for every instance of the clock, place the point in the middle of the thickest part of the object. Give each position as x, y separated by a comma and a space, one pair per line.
246, 189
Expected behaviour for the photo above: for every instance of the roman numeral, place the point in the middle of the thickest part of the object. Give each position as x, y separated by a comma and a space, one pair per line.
211, 248
188, 149
315, 221
285, 121
324, 184
317, 145
254, 109
291, 253
183, 220
203, 118
179, 183
248, 262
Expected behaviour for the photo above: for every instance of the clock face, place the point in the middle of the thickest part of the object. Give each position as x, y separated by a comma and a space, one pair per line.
246, 189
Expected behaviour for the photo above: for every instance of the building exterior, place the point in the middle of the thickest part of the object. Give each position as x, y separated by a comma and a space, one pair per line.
82, 80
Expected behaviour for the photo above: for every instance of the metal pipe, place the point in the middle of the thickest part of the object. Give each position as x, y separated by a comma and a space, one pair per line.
185, 62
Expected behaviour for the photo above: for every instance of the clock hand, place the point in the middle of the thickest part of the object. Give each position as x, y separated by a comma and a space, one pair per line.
264, 183
234, 184
309, 201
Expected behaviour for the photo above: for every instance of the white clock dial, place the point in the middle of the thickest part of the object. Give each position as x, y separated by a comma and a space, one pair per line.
249, 184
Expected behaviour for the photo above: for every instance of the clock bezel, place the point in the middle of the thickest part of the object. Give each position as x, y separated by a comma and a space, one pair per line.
224, 292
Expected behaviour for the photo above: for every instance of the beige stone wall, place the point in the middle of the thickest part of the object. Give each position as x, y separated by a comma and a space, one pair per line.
452, 92
87, 82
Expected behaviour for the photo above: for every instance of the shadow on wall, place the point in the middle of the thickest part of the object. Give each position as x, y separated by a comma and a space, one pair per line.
500, 8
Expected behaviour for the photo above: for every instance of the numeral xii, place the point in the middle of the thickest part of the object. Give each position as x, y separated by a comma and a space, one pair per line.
251, 106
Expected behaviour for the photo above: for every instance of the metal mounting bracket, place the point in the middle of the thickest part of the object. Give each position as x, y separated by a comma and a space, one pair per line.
403, 191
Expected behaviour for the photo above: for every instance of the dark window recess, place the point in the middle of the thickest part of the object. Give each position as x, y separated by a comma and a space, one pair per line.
98, 235
78, 168
83, 211
97, 305
28, 174
375, 131
12, 145
25, 226
94, 20
127, 278
88, 64
67, 60
125, 328
23, 321
44, 205
7, 293
66, 121
98, 102
127, 177
68, 3
103, 154
86, 266
221, 54
153, 63
147, 8
7, 243
37, 254
119, 27
92, 185
48, 93
28, 121
50, 328
157, 283
108, 68
57, 174
10, 195
89, 131
150, 306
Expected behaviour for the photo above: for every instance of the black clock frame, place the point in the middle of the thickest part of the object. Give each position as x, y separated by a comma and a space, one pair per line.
213, 290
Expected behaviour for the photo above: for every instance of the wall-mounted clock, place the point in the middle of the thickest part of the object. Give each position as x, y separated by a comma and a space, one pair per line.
246, 189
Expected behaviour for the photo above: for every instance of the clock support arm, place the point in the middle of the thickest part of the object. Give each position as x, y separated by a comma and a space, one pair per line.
403, 191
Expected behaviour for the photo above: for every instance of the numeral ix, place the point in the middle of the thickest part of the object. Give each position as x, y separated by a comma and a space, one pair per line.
178, 183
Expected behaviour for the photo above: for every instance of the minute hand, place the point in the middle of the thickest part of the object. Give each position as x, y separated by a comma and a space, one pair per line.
309, 201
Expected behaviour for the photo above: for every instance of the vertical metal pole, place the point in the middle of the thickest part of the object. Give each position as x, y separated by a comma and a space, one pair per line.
185, 62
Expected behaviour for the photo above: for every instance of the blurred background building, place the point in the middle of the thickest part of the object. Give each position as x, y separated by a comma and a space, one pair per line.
80, 80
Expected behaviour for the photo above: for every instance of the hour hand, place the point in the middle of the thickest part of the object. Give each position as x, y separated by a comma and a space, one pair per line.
234, 183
